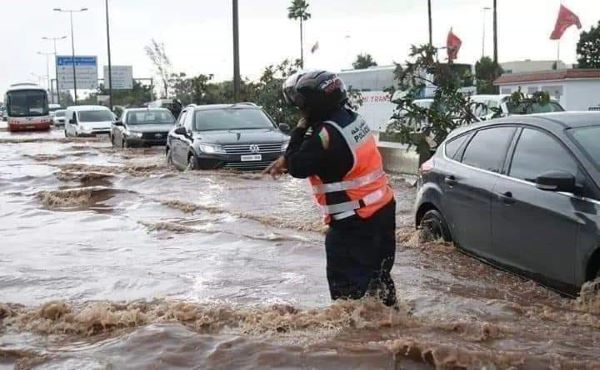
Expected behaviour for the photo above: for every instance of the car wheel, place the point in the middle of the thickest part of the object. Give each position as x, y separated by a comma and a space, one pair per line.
124, 143
433, 227
192, 162
169, 157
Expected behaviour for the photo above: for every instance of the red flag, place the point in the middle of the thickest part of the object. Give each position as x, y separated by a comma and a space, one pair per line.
566, 19
453, 44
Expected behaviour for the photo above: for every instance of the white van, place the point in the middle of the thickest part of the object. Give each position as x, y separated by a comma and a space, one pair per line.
87, 120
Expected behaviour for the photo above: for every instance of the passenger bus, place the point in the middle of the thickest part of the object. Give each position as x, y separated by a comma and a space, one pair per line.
27, 108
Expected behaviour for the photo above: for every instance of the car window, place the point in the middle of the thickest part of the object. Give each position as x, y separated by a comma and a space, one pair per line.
452, 146
150, 116
95, 115
487, 149
588, 138
537, 152
231, 119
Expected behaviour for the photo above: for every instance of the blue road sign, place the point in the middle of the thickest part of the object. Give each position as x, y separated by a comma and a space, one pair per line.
79, 61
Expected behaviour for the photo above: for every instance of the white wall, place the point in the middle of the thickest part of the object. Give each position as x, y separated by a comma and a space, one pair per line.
377, 109
581, 95
572, 94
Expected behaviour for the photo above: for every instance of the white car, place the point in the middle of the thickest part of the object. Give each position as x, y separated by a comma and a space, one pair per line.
88, 120
58, 117
485, 111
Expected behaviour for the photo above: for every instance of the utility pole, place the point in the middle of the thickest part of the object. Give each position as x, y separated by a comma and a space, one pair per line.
47, 70
430, 23
72, 46
236, 53
53, 39
495, 33
110, 85
484, 10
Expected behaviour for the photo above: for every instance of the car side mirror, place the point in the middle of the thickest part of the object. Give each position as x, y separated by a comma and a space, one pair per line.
285, 128
181, 131
72, 121
557, 181
119, 123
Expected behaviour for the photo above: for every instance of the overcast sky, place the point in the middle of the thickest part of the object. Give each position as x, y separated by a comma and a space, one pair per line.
197, 33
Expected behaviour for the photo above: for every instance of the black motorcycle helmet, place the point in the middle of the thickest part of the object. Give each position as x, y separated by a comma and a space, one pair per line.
315, 92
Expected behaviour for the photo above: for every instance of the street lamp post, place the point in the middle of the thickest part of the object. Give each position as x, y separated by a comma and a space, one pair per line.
236, 53
430, 23
47, 69
70, 11
110, 85
484, 10
53, 39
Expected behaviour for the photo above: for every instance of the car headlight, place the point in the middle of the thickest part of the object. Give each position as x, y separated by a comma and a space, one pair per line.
284, 146
135, 134
212, 149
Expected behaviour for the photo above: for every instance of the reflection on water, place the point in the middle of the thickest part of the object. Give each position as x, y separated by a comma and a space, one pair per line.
111, 259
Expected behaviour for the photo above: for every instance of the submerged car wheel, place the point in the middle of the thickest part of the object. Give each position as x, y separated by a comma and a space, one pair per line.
169, 157
433, 227
192, 162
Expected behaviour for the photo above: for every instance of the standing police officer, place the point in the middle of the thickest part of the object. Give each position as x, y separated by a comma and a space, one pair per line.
333, 147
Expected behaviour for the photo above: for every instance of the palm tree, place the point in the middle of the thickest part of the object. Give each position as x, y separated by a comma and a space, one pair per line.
299, 11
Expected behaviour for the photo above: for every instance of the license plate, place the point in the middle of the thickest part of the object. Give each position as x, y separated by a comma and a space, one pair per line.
249, 158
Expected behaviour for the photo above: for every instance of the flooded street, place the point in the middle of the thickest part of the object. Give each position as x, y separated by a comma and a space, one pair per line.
111, 259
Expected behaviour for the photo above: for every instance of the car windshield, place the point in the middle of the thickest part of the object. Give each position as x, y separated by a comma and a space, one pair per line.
59, 113
230, 119
26, 103
528, 107
589, 139
95, 115
148, 117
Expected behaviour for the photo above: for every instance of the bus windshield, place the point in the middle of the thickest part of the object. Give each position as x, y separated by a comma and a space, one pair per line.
27, 103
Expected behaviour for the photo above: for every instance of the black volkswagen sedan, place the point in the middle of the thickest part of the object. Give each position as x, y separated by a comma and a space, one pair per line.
522, 192
235, 136
142, 127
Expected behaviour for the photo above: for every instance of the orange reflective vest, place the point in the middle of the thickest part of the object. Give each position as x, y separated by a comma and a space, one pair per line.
366, 184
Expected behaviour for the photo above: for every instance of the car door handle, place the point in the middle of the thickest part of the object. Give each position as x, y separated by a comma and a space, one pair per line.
450, 180
506, 197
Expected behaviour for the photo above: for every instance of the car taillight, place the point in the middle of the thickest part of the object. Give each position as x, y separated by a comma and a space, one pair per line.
427, 166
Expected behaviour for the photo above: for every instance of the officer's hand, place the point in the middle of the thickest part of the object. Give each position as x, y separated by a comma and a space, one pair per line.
276, 168
302, 122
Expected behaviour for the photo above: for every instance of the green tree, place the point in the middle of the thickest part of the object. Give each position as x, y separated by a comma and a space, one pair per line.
299, 11
485, 72
190, 90
364, 61
158, 56
269, 95
134, 97
588, 48
425, 127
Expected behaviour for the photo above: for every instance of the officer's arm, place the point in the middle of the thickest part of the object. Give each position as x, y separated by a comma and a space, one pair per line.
306, 157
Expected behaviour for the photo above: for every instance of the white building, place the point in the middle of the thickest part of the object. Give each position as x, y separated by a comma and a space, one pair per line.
575, 89
528, 65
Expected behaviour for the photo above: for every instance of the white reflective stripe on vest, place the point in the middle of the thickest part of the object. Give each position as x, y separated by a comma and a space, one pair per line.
354, 204
351, 184
341, 216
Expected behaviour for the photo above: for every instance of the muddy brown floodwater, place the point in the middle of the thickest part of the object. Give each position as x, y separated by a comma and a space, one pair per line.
110, 259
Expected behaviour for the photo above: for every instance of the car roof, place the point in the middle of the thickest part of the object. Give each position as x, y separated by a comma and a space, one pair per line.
145, 109
78, 108
225, 106
556, 121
